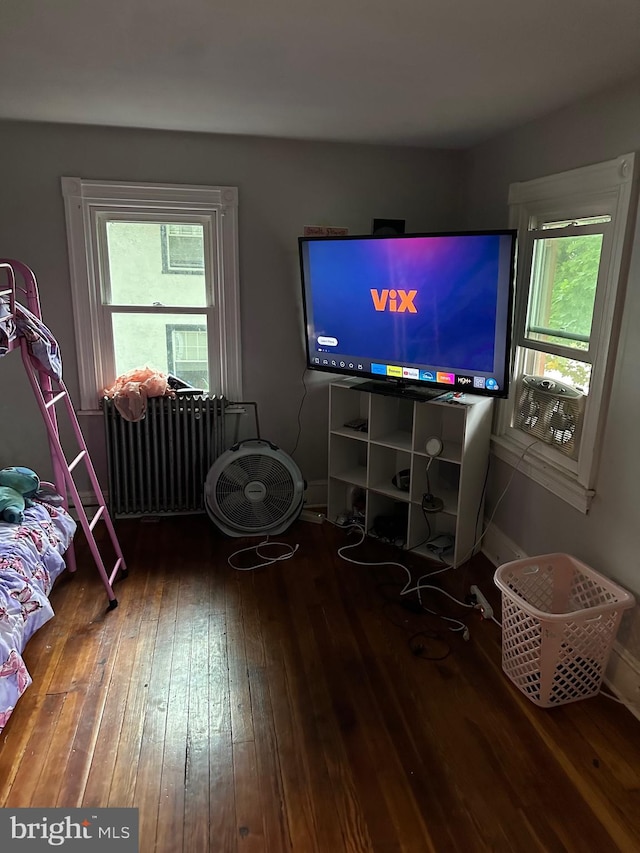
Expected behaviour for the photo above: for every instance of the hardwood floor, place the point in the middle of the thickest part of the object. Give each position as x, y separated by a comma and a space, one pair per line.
285, 710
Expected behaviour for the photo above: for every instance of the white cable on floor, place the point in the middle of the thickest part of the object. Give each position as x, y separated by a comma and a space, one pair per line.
268, 561
408, 588
620, 701
418, 586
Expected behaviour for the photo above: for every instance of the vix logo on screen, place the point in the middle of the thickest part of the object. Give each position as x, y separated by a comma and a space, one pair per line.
395, 301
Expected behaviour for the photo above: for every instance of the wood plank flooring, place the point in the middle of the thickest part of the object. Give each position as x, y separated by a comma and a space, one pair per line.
300, 707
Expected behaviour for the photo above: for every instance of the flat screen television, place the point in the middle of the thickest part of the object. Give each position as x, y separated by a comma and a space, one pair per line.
425, 313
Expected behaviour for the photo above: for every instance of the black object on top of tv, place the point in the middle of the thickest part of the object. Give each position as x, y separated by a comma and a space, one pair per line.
428, 312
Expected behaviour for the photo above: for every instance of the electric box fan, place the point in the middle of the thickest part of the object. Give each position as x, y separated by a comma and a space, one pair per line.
551, 411
254, 488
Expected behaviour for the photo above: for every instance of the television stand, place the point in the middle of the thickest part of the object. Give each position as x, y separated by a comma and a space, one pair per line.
405, 392
391, 436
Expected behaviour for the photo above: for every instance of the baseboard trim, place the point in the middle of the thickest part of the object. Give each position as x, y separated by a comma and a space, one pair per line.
623, 678
89, 499
499, 549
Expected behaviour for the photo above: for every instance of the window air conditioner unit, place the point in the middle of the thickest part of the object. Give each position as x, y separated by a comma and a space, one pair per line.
551, 412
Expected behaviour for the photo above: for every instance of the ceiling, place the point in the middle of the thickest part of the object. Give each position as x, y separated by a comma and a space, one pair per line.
443, 73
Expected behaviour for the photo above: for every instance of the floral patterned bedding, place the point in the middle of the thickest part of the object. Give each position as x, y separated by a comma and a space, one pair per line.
30, 561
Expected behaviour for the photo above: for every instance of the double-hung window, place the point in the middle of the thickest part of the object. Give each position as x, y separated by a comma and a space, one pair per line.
154, 273
572, 242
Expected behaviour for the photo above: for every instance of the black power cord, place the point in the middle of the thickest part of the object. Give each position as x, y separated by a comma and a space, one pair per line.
304, 385
418, 649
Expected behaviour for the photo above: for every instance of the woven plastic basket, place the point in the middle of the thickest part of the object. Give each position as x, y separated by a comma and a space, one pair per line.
559, 621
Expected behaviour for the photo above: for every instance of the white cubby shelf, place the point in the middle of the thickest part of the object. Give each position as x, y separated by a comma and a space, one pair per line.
363, 464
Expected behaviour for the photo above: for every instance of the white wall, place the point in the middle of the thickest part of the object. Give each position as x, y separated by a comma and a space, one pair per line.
596, 129
283, 185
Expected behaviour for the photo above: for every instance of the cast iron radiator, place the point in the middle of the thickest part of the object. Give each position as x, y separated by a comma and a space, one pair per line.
157, 466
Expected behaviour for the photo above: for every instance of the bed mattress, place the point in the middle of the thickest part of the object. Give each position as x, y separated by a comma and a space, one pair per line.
30, 561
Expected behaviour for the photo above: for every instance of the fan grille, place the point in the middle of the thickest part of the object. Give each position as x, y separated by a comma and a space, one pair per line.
553, 416
254, 488
254, 492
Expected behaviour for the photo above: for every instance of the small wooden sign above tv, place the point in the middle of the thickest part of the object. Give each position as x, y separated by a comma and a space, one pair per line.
324, 231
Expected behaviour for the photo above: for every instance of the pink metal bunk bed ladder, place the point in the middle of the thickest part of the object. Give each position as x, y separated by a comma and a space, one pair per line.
48, 392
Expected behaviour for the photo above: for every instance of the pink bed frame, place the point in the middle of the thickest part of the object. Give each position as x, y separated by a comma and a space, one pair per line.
18, 285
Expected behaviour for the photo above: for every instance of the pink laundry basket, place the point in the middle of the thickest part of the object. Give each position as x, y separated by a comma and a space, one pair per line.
559, 621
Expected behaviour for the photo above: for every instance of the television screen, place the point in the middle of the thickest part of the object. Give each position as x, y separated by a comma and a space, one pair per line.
427, 310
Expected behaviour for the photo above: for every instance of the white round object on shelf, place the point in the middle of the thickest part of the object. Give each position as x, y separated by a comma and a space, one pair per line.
433, 446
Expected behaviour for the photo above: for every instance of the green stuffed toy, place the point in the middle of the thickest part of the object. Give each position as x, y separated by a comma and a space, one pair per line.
17, 487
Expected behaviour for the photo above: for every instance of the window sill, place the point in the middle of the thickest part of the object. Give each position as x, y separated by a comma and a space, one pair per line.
561, 483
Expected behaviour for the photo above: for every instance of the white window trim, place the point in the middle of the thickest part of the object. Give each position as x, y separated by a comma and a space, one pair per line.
608, 187
84, 201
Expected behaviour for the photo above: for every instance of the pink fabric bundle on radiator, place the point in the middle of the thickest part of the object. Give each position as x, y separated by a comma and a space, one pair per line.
130, 391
